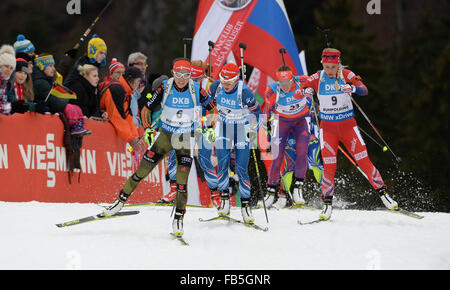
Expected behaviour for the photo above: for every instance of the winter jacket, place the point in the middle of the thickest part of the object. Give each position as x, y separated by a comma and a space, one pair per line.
6, 95
87, 98
115, 100
42, 84
75, 73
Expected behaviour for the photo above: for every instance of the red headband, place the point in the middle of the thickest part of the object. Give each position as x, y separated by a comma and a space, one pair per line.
283, 76
229, 71
331, 57
181, 65
197, 71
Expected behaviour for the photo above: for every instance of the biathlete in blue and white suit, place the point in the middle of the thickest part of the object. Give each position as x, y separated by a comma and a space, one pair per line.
238, 113
205, 140
181, 100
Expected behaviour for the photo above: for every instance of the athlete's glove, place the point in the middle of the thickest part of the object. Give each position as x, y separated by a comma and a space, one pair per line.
210, 134
305, 92
348, 89
148, 136
253, 138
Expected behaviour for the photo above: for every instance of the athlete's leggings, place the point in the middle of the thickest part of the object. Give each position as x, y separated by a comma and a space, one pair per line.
236, 135
299, 130
163, 144
348, 133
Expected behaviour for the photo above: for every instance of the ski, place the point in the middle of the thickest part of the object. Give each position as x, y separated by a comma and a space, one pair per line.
180, 239
301, 206
311, 222
230, 219
402, 212
166, 204
220, 217
97, 217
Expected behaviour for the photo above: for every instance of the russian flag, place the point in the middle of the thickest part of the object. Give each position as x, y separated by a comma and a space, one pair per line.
263, 25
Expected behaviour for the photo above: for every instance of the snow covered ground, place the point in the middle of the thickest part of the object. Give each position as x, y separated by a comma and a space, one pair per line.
351, 240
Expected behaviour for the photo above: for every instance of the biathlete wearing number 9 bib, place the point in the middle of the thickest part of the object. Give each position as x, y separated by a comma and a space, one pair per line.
339, 125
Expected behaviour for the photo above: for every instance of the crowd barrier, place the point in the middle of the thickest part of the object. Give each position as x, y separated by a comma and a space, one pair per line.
33, 165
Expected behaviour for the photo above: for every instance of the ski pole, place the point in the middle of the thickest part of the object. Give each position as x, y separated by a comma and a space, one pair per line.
130, 148
86, 33
339, 146
352, 161
243, 47
282, 52
397, 158
211, 47
186, 42
259, 182
326, 32
384, 148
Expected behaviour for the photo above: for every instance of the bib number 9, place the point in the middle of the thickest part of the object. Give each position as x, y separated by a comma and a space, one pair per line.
334, 100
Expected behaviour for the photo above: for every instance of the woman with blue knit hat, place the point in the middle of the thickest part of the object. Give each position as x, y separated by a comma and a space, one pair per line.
96, 55
24, 45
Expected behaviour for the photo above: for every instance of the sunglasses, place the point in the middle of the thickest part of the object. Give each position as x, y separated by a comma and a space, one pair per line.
285, 83
184, 75
228, 81
330, 57
140, 64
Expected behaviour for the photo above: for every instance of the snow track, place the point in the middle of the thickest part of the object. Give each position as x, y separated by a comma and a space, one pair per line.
352, 239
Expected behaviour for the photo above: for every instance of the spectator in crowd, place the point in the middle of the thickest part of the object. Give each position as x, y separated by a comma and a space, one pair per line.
7, 66
96, 55
24, 97
44, 75
116, 70
86, 88
115, 100
24, 45
29, 60
43, 80
139, 60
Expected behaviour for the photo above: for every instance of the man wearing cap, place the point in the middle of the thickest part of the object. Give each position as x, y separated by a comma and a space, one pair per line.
334, 86
238, 113
180, 100
287, 116
96, 55
43, 76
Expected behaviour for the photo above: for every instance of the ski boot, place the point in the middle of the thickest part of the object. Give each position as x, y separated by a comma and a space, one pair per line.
170, 197
215, 197
326, 209
386, 199
224, 208
246, 211
281, 201
177, 223
270, 197
117, 205
297, 192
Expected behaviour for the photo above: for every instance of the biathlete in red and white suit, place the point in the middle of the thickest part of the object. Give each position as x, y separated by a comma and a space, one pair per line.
334, 86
